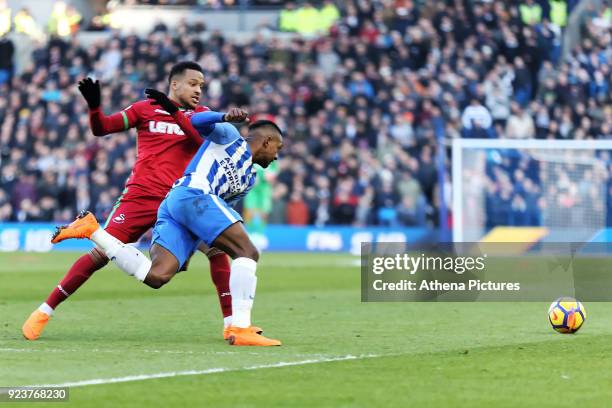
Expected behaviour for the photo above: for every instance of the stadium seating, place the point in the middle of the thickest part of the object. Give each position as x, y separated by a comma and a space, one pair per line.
363, 105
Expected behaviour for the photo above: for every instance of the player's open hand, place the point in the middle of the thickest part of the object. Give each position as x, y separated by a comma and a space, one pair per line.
236, 115
161, 99
90, 91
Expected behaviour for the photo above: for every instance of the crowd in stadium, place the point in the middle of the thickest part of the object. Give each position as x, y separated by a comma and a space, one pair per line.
203, 3
363, 104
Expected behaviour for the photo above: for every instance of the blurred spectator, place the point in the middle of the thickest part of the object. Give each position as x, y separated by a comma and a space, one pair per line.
6, 209
411, 211
344, 203
27, 211
519, 215
531, 12
5, 18
328, 15
476, 119
288, 17
7, 50
297, 210
104, 206
48, 204
6, 212
110, 61
520, 124
64, 20
24, 189
307, 18
522, 83
278, 213
102, 21
558, 12
359, 85
25, 24
385, 202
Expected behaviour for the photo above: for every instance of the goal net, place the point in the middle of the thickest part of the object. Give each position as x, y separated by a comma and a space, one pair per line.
562, 185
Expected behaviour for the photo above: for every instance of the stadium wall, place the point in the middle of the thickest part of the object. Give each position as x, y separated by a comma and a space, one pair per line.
142, 19
36, 237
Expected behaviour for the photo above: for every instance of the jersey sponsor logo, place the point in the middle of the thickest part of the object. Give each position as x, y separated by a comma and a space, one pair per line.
163, 112
232, 174
165, 127
120, 219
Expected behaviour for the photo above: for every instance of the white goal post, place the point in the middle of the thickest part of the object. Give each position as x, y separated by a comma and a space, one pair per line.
569, 179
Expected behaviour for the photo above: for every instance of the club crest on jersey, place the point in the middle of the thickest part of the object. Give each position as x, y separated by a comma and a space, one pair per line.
165, 127
120, 219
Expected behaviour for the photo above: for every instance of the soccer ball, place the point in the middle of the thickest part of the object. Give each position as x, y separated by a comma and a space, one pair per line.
566, 315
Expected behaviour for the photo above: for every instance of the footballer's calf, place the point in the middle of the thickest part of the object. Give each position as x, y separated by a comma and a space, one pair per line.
164, 265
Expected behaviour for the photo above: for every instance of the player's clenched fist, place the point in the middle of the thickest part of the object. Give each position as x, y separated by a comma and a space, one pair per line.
90, 91
236, 115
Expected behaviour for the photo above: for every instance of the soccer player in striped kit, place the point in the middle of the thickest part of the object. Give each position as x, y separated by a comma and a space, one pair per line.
199, 209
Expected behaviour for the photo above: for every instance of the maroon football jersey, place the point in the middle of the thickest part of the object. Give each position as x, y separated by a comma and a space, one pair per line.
163, 148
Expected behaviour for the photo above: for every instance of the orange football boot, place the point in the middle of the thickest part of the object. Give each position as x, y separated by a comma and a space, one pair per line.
226, 331
83, 226
239, 336
33, 327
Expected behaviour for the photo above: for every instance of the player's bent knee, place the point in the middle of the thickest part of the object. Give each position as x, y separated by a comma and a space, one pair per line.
254, 254
156, 280
159, 275
248, 252
157, 283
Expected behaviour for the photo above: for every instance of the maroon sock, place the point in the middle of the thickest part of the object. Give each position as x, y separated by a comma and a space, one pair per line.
220, 274
78, 274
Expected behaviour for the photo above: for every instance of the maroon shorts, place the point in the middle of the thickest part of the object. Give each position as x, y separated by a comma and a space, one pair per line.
132, 216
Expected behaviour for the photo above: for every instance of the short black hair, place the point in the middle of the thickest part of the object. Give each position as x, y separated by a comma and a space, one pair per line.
263, 122
183, 66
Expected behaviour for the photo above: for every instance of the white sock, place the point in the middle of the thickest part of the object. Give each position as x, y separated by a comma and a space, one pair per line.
227, 321
242, 287
46, 309
126, 257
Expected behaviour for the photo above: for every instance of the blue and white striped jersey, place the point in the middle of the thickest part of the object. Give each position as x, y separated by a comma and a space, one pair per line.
223, 166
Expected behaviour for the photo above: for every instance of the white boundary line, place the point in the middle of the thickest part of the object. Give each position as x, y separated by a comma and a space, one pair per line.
142, 377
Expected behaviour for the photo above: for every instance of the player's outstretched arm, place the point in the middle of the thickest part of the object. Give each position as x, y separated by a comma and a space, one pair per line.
101, 124
204, 122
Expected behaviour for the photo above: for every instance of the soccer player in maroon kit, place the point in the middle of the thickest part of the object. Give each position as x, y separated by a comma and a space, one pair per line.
166, 143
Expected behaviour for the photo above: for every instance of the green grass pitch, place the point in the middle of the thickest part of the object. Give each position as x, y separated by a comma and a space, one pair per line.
337, 351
